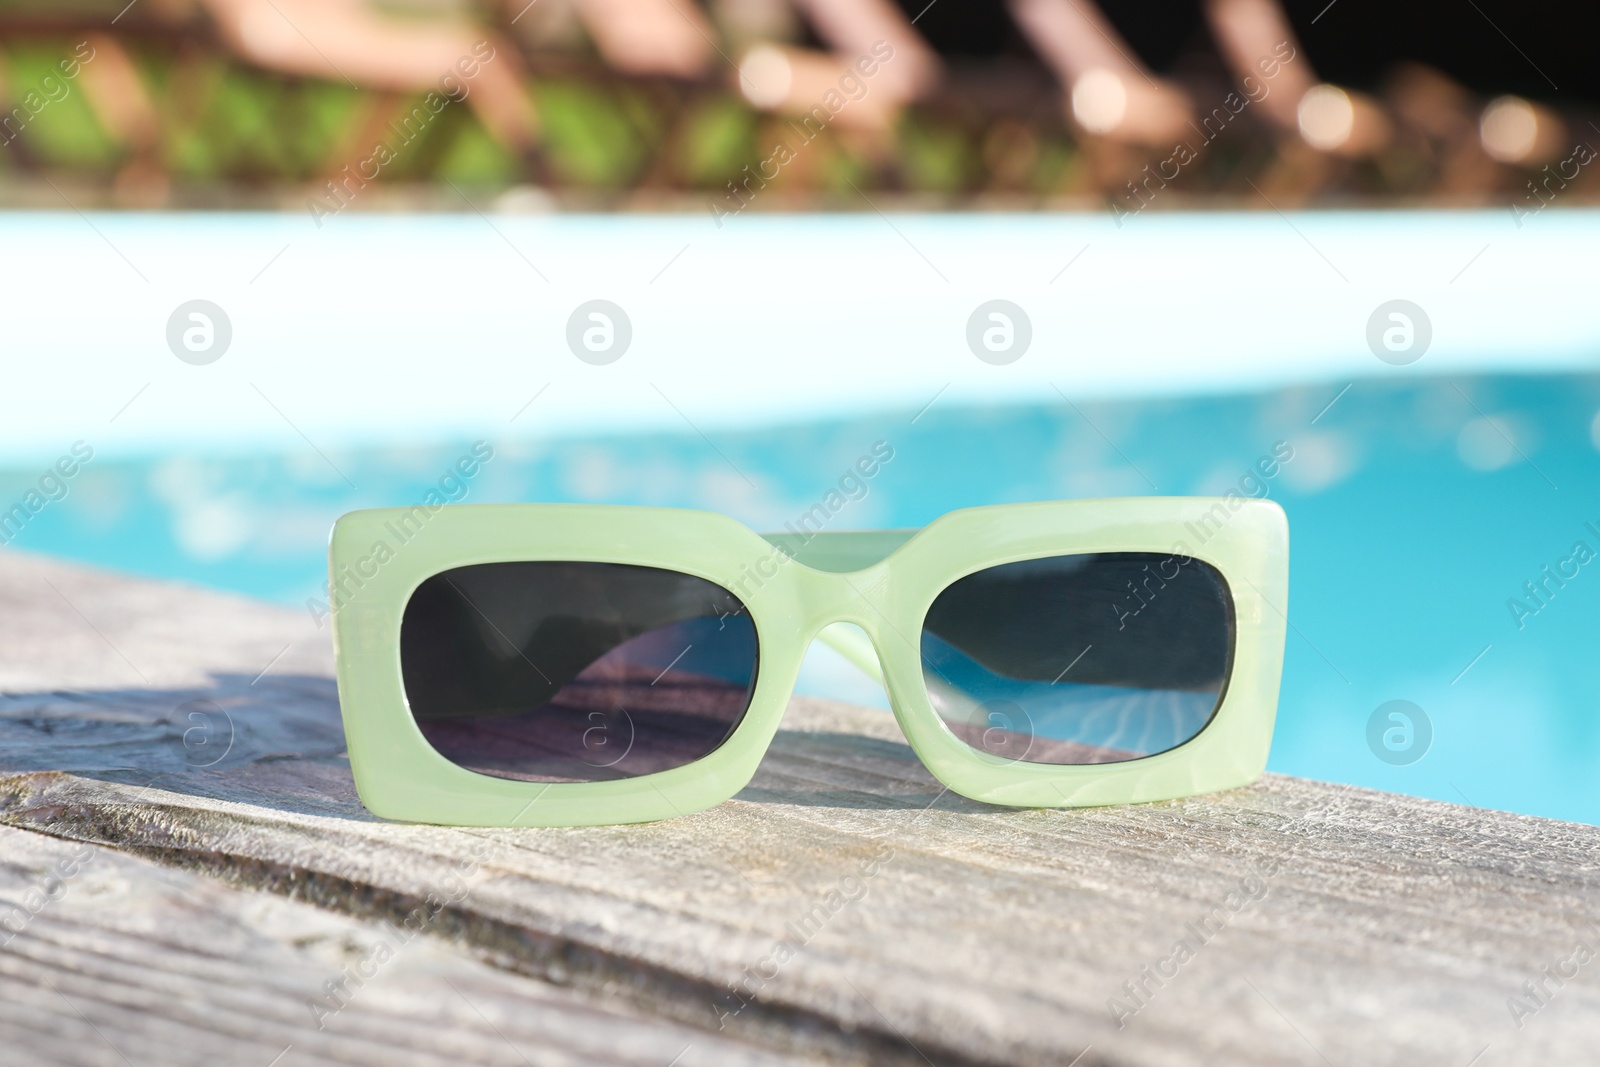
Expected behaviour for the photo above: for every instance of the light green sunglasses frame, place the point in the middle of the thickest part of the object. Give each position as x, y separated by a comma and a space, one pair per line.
795, 586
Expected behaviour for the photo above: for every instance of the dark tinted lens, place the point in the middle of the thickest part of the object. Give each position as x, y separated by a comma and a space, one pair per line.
575, 672
1095, 658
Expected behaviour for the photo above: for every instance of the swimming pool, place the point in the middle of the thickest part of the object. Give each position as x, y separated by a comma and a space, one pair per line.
1422, 512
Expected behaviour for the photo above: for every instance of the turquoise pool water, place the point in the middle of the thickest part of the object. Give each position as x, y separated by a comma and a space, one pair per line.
1436, 525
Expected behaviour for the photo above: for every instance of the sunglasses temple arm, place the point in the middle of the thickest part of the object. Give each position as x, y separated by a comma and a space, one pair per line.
854, 646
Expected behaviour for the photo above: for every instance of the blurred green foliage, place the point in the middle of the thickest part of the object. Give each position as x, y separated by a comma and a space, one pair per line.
65, 131
591, 138
226, 124
935, 159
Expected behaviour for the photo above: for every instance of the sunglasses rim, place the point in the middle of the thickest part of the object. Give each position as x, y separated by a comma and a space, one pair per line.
399, 776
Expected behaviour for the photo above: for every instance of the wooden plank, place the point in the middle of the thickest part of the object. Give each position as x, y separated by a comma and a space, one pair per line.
843, 906
111, 959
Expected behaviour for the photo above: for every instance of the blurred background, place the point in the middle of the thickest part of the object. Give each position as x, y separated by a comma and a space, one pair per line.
271, 260
665, 103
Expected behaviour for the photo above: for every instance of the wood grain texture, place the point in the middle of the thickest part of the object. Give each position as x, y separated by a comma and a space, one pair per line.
111, 959
842, 908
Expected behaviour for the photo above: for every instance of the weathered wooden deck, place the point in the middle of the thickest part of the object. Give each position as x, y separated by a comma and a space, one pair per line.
156, 911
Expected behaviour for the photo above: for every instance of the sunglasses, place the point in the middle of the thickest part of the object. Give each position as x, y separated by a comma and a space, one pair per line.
573, 665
